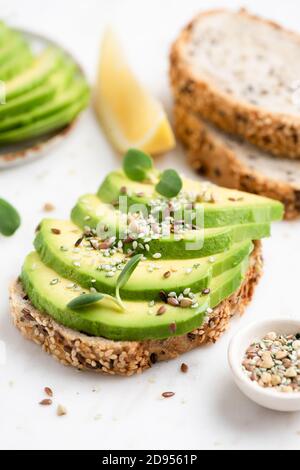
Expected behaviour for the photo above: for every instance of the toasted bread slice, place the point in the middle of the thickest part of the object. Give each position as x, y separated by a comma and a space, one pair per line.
237, 164
125, 357
232, 68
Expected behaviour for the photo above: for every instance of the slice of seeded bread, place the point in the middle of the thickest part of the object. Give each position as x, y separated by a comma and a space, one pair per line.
242, 73
237, 164
126, 357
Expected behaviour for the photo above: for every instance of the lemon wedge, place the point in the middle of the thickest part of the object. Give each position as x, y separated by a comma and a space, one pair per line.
129, 115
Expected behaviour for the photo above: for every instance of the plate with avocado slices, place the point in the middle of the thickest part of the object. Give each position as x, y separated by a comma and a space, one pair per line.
44, 90
151, 266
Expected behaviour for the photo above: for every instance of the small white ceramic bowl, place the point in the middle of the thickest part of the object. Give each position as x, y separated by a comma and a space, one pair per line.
267, 397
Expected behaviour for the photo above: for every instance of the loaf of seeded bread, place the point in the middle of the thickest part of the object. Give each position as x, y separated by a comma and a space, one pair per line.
125, 357
242, 73
236, 164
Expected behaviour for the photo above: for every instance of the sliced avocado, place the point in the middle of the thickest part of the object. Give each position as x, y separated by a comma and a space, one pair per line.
56, 244
56, 82
61, 101
230, 282
50, 293
46, 124
90, 211
13, 46
41, 68
4, 33
16, 63
231, 206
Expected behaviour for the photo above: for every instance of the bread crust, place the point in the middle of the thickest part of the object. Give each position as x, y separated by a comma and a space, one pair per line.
125, 357
277, 133
215, 160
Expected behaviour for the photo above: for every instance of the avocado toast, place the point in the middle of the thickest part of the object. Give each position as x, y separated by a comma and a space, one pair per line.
112, 292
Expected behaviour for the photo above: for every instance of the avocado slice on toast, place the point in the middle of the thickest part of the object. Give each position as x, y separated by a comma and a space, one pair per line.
52, 293
89, 267
224, 206
91, 212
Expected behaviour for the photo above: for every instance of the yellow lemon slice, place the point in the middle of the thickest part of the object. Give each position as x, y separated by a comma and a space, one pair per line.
129, 115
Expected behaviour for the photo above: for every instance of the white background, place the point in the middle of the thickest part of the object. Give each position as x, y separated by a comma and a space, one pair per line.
106, 412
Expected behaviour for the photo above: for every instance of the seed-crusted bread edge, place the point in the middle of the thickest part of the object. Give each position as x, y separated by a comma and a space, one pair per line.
218, 162
126, 357
277, 133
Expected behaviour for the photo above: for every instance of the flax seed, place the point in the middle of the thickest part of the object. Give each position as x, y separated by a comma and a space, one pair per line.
48, 391
184, 368
168, 394
46, 402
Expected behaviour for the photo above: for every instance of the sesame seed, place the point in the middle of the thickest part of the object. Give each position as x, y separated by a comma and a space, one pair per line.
110, 274
172, 294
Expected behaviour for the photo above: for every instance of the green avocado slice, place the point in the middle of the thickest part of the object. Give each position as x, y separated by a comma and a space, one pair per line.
13, 46
65, 98
16, 64
231, 206
50, 293
56, 244
31, 99
90, 211
4, 33
46, 124
41, 68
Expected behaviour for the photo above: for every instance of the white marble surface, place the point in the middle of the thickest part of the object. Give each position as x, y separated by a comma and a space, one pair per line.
107, 413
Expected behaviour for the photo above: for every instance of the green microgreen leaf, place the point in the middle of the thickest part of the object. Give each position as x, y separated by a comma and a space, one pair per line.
137, 165
9, 218
84, 300
170, 184
126, 273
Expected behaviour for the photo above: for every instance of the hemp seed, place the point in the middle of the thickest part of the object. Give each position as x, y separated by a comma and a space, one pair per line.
274, 362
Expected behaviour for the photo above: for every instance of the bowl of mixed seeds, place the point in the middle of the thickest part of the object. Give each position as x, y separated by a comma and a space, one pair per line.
264, 358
